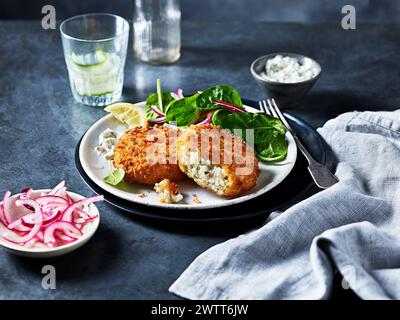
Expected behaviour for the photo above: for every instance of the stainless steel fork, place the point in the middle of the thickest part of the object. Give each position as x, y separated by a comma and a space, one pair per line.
321, 175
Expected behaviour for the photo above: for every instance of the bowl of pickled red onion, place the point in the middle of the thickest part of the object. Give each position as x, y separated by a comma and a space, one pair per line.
48, 222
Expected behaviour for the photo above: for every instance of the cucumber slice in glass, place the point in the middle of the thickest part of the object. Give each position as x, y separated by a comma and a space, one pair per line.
95, 74
89, 59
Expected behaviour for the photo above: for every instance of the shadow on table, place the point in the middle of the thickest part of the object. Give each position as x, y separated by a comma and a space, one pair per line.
205, 229
213, 228
94, 259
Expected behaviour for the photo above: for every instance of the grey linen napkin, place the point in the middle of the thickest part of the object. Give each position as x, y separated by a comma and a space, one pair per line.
352, 227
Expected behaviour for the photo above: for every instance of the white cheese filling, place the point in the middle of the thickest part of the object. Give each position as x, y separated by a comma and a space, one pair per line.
203, 171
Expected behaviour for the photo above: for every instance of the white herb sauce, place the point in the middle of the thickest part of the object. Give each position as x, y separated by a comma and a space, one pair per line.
286, 69
107, 141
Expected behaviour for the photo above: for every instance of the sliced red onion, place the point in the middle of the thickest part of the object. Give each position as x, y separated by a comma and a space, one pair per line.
49, 212
6, 214
92, 217
31, 242
17, 225
158, 120
86, 215
51, 199
82, 214
63, 237
54, 205
66, 227
29, 219
157, 111
69, 199
2, 217
25, 193
51, 206
57, 188
39, 236
61, 192
36, 228
80, 220
178, 94
174, 95
230, 106
207, 120
67, 214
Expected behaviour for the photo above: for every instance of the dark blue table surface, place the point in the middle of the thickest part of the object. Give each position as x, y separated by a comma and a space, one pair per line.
41, 124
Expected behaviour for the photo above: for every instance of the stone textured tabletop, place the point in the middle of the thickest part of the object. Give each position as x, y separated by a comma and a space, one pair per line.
41, 125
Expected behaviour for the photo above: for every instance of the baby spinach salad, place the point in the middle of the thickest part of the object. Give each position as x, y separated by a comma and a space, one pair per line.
222, 106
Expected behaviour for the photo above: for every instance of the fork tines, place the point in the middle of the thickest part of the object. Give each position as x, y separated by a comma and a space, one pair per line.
272, 109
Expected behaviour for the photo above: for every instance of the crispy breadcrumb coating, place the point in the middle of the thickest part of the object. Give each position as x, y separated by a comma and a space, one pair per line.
217, 160
196, 199
148, 155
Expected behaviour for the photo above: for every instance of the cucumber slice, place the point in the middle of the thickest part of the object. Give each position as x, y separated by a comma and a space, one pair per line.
95, 74
89, 60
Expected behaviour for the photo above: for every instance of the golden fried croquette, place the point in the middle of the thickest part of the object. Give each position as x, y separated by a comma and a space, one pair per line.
148, 155
168, 191
217, 160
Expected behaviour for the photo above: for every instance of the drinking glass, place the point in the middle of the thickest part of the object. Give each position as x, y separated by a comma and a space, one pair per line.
95, 48
157, 31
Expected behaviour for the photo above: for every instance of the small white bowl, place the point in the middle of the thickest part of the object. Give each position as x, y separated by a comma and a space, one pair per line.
47, 252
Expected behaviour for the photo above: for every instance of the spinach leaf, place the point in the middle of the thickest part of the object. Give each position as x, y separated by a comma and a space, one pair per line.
152, 99
115, 176
223, 92
265, 127
184, 111
218, 116
268, 133
272, 151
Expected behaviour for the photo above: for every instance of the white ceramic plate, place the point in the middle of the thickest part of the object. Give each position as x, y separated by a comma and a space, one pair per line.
42, 251
97, 168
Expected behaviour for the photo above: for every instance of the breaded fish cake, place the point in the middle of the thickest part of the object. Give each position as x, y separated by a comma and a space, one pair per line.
148, 155
217, 160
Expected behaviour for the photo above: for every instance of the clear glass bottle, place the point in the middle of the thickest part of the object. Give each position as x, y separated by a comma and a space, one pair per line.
157, 30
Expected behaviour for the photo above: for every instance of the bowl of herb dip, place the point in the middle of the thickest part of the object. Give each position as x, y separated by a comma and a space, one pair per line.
286, 77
